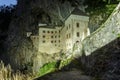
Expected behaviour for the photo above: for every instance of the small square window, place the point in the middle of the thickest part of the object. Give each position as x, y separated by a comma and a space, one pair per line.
51, 41
43, 36
67, 36
78, 35
77, 24
52, 32
55, 41
34, 37
55, 36
69, 26
43, 31
44, 41
51, 36
48, 31
55, 31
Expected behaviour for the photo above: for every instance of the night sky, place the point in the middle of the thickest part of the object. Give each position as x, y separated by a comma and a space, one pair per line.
7, 2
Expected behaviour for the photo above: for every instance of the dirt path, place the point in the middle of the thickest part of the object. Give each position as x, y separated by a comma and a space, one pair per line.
68, 75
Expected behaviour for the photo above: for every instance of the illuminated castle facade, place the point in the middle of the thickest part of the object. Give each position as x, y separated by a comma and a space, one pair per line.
55, 39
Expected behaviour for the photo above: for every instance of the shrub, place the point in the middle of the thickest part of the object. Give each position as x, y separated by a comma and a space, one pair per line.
6, 73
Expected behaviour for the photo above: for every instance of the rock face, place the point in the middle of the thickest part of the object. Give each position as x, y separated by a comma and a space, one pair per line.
27, 16
31, 12
108, 32
102, 50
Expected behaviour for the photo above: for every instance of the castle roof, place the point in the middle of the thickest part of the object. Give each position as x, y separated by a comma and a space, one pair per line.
77, 11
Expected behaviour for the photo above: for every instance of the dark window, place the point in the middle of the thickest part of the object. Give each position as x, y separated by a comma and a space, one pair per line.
34, 37
55, 31
44, 41
78, 34
43, 31
55, 41
48, 31
51, 36
59, 36
59, 31
44, 36
69, 26
59, 41
55, 36
51, 41
52, 32
77, 24
55, 45
69, 35
77, 41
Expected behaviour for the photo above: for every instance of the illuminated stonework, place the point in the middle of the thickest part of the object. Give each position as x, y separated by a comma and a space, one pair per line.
55, 39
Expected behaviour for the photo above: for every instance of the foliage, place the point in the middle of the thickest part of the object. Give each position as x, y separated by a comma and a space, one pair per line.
5, 19
5, 16
65, 62
99, 3
53, 66
47, 68
6, 73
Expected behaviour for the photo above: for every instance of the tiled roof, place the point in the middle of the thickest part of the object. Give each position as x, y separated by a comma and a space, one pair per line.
77, 11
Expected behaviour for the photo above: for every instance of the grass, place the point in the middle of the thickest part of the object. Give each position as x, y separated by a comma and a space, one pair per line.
53, 66
47, 68
6, 73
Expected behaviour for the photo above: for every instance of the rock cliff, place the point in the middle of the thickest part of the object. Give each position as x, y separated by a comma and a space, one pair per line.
26, 18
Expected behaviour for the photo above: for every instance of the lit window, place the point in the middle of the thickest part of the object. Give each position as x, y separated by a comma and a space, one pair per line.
43, 31
44, 41
43, 36
78, 34
77, 24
